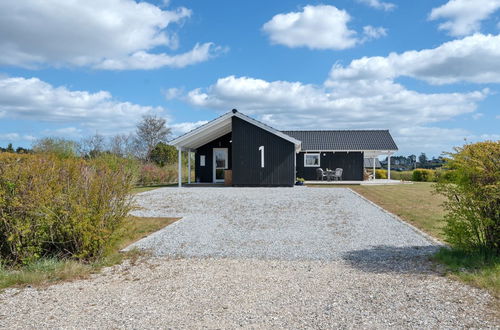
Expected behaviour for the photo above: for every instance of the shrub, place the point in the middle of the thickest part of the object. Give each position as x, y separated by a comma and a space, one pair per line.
61, 147
381, 174
473, 205
163, 154
403, 175
150, 174
423, 175
61, 207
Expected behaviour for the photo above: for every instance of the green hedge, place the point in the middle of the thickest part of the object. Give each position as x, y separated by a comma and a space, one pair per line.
423, 175
61, 207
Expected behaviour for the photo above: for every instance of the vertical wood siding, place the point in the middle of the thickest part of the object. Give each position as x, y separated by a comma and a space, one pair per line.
350, 162
205, 173
246, 163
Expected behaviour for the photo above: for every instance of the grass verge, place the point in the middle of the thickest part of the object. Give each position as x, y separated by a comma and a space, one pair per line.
48, 271
418, 204
480, 270
140, 189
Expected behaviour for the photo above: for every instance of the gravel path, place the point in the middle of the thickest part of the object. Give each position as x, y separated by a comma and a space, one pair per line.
276, 223
262, 258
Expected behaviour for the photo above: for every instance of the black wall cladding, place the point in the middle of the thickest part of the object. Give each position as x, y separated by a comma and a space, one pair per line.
350, 162
205, 173
279, 157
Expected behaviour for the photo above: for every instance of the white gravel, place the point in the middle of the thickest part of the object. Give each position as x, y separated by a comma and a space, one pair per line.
276, 223
263, 258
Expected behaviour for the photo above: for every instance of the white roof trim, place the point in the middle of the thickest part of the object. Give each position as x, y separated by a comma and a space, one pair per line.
219, 127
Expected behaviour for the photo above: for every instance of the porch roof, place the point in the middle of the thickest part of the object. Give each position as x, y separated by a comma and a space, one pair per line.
219, 127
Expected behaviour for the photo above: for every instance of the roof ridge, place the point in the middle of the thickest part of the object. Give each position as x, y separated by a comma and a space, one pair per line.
335, 130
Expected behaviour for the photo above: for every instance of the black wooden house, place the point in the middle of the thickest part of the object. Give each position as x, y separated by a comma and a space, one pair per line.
255, 154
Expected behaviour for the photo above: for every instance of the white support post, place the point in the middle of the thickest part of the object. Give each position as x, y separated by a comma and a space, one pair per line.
180, 168
389, 167
374, 167
189, 167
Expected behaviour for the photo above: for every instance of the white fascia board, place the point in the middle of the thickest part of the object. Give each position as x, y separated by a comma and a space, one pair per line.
216, 123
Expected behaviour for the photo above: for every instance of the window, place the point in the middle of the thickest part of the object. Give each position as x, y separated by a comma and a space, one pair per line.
202, 160
311, 160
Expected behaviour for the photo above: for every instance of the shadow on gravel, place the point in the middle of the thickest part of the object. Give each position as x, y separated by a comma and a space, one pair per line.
386, 259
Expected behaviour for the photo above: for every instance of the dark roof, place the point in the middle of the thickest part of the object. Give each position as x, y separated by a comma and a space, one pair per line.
369, 163
345, 140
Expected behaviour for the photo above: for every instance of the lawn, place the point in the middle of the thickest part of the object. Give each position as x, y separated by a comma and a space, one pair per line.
415, 203
418, 204
47, 271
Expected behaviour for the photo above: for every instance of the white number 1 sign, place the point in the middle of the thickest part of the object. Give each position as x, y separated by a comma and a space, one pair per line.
261, 148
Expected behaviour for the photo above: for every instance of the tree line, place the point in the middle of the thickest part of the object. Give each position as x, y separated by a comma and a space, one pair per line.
149, 143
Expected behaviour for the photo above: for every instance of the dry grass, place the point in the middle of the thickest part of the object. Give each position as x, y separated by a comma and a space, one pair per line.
415, 203
48, 271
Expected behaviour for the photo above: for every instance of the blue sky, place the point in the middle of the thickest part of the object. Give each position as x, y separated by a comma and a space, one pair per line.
429, 71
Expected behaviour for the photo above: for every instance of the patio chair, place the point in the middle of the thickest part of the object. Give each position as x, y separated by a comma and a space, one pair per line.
338, 174
320, 174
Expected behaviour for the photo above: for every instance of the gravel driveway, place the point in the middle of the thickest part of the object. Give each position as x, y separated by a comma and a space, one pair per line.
261, 258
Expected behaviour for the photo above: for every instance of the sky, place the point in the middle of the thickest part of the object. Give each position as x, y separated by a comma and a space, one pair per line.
429, 71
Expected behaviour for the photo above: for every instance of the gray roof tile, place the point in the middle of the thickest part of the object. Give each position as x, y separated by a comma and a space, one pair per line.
344, 139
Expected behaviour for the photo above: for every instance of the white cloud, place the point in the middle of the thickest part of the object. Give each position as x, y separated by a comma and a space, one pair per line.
33, 99
371, 32
144, 60
65, 131
377, 4
464, 17
346, 105
356, 104
181, 128
433, 139
315, 27
472, 59
106, 34
477, 116
173, 93
16, 137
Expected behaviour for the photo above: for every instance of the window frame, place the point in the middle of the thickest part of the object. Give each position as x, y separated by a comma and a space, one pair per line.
312, 154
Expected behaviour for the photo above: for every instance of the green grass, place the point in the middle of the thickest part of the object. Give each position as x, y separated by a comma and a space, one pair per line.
48, 271
476, 269
418, 204
137, 190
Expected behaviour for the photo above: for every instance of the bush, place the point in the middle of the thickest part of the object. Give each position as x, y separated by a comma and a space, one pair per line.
423, 175
61, 207
473, 205
163, 154
403, 175
61, 147
381, 174
150, 174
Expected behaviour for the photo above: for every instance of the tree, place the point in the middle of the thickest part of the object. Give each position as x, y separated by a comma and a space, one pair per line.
413, 160
92, 146
151, 131
473, 193
21, 150
422, 159
10, 148
122, 145
59, 146
163, 154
